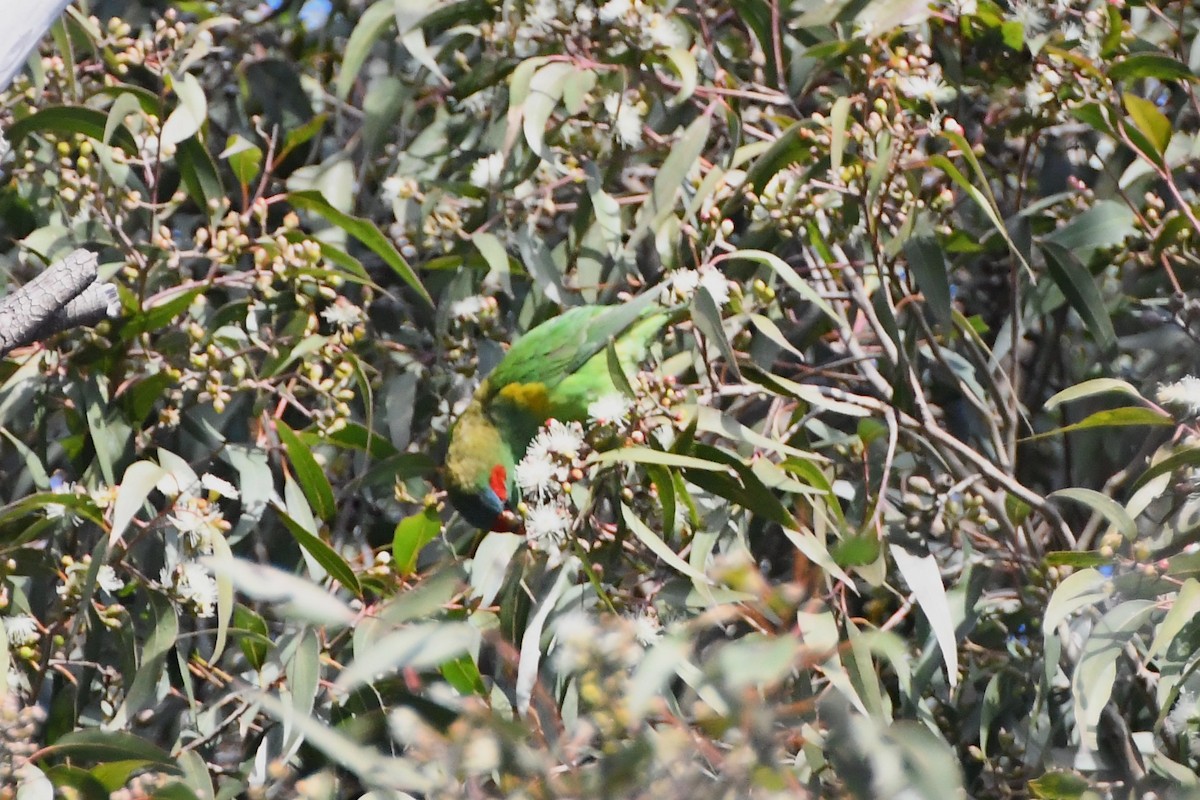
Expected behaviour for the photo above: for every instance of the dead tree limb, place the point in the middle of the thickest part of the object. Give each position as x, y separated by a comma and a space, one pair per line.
63, 296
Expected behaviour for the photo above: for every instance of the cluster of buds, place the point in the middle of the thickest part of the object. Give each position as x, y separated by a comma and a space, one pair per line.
470, 319
936, 507
19, 725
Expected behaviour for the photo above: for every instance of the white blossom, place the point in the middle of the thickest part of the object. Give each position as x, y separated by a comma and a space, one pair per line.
1182, 714
1032, 19
397, 188
199, 521
628, 122
559, 438
1183, 395
614, 10
666, 32
928, 86
714, 280
193, 585
106, 579
546, 526
537, 475
468, 309
612, 407
21, 629
342, 313
683, 283
487, 171
647, 628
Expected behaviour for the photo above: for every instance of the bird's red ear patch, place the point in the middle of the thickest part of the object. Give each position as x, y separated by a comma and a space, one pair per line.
499, 482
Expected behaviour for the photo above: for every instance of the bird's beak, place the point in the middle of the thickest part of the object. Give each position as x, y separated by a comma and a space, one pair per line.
508, 522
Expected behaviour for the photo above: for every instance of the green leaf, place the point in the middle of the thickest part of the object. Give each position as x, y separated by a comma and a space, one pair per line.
789, 276
464, 676
126, 103
707, 319
139, 480
199, 173
1103, 505
1112, 418
66, 121
644, 455
419, 647
1186, 457
225, 604
1080, 289
655, 544
253, 636
244, 156
189, 115
493, 252
366, 232
1077, 559
398, 774
309, 474
290, 596
1184, 609
838, 118
685, 66
1149, 65
324, 555
165, 308
983, 197
489, 567
928, 266
673, 173
143, 686
1106, 224
1059, 785
924, 578
546, 88
108, 746
788, 149
371, 25
1150, 122
1096, 672
412, 534
1089, 389
354, 436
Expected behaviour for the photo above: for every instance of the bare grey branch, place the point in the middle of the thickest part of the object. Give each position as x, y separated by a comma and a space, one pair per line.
44, 305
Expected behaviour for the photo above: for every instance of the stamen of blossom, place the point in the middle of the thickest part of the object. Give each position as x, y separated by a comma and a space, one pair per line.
546, 526
106, 579
612, 407
560, 438
1183, 395
537, 475
21, 629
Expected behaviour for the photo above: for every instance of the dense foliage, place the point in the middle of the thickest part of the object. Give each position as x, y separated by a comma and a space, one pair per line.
904, 505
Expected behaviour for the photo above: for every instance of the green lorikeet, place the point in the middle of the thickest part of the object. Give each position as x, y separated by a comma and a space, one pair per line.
555, 371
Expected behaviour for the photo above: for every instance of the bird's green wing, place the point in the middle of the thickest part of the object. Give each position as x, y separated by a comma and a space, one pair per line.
561, 346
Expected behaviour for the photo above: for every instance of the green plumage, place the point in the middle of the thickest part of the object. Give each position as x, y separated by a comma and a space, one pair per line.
555, 371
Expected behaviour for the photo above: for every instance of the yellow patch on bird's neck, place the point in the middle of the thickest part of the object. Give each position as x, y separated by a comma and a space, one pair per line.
475, 448
531, 397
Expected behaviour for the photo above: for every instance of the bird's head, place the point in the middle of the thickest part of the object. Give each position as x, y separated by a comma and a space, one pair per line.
491, 505
480, 467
